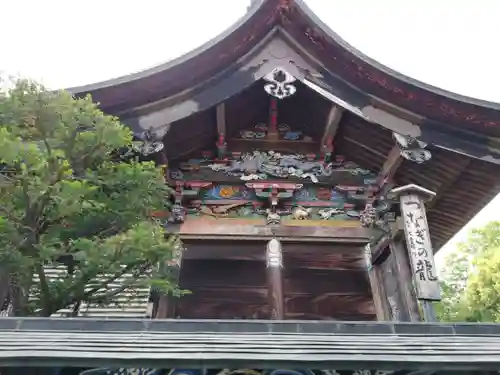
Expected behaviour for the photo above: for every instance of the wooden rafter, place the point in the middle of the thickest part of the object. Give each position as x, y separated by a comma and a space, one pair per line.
331, 127
451, 182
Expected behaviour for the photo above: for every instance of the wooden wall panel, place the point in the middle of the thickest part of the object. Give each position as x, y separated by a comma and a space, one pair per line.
397, 307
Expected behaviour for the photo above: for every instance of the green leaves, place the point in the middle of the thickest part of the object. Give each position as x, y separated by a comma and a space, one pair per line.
68, 198
471, 282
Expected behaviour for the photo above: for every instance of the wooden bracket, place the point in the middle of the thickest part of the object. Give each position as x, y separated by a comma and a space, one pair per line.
395, 232
274, 191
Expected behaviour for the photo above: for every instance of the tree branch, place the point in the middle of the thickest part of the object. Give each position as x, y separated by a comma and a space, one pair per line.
103, 298
78, 287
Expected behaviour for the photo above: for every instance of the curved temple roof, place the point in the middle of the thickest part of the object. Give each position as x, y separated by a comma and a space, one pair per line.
463, 132
336, 55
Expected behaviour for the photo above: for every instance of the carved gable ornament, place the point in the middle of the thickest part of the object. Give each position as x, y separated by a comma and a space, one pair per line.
280, 83
151, 141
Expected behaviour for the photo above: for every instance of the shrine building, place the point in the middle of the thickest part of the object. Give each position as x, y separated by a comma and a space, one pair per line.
312, 187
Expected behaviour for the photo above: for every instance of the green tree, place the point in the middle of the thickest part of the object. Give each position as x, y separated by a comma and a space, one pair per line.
471, 278
71, 195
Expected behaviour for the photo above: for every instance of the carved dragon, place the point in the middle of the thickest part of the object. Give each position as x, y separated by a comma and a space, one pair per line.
306, 166
257, 165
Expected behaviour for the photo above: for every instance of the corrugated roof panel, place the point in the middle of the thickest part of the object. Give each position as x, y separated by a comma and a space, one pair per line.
132, 302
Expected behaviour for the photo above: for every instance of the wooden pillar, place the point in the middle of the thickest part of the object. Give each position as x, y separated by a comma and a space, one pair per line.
404, 278
377, 287
274, 264
167, 303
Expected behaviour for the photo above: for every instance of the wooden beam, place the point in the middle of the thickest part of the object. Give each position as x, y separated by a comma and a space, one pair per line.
167, 303
331, 127
274, 264
390, 167
222, 229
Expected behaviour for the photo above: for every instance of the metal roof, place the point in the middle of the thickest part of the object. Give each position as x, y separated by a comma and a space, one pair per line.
132, 302
246, 344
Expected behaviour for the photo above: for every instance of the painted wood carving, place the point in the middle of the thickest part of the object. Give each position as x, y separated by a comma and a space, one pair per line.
260, 131
309, 202
271, 165
273, 186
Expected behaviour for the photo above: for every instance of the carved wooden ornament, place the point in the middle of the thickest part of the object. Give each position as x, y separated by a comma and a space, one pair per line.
412, 149
280, 83
274, 254
151, 143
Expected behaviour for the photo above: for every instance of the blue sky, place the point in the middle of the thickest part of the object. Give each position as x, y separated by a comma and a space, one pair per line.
66, 43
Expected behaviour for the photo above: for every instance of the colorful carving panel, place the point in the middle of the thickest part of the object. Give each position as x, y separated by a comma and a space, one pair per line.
312, 194
275, 186
274, 166
227, 192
